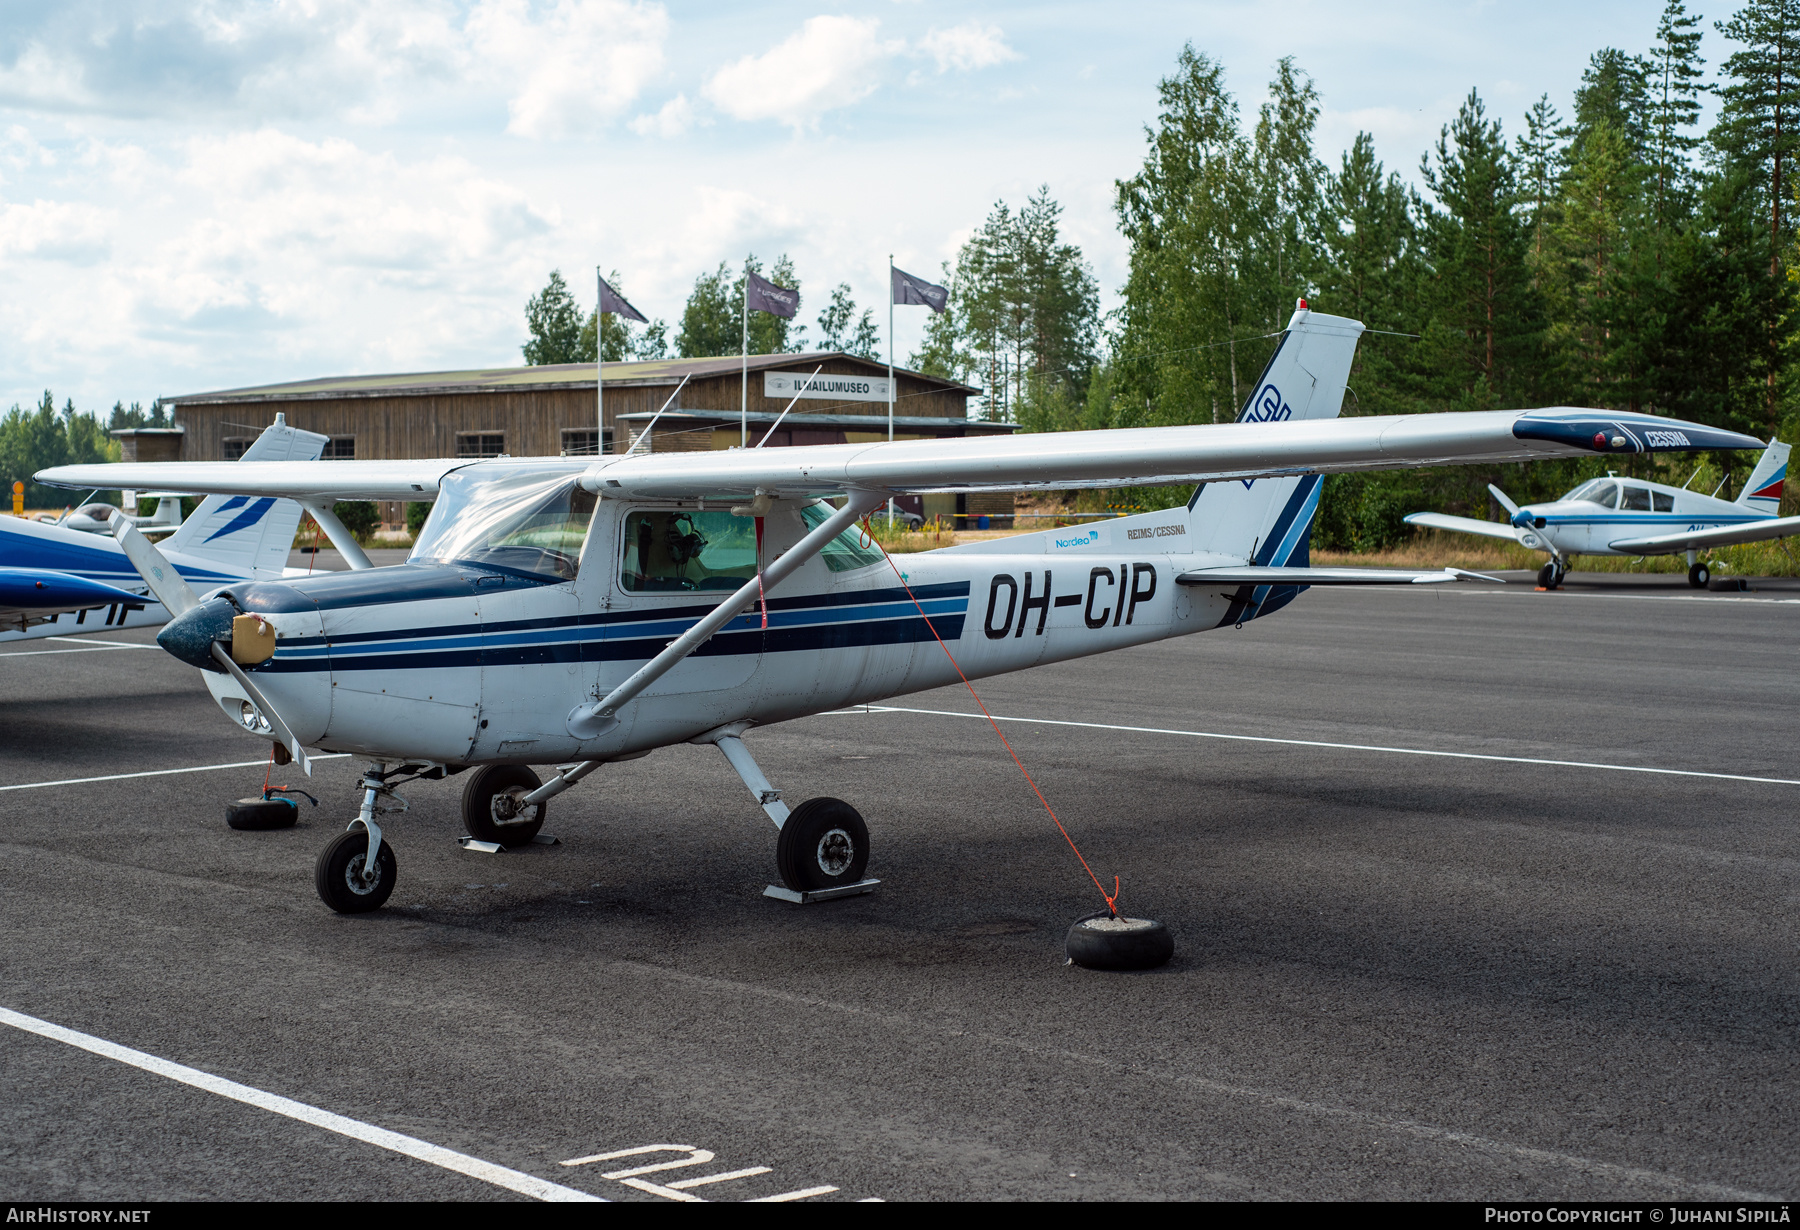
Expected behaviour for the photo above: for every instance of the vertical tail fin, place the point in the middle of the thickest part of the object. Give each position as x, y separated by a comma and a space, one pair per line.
1269, 520
248, 532
1763, 492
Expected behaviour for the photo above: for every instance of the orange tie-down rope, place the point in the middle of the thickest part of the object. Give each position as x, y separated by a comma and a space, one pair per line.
1112, 898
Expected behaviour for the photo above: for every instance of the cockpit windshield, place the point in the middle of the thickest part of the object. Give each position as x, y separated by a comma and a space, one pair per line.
1601, 491
525, 522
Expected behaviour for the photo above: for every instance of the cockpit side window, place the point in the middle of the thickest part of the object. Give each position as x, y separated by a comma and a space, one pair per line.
1637, 499
1663, 501
672, 550
849, 550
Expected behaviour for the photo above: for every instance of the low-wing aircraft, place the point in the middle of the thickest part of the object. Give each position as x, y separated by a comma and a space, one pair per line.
579, 611
1632, 516
51, 571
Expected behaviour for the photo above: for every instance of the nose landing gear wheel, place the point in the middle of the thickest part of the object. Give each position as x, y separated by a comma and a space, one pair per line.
491, 808
823, 844
339, 874
1699, 573
1549, 576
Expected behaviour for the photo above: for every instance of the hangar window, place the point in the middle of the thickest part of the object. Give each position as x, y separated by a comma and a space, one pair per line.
339, 448
1636, 498
585, 442
523, 523
677, 549
480, 444
234, 446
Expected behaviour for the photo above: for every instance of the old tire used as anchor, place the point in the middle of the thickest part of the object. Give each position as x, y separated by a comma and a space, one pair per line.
1104, 942
823, 844
260, 814
490, 805
339, 874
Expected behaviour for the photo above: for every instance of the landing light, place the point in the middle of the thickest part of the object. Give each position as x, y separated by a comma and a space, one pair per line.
251, 719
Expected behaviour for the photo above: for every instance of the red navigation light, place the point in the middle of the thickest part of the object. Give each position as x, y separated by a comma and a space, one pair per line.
1300, 305
1599, 439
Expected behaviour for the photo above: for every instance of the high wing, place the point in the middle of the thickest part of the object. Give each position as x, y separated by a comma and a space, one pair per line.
1722, 536
333, 480
1283, 575
1059, 460
1462, 525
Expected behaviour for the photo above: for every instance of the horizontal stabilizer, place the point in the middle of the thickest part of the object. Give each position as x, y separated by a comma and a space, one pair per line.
1258, 575
1720, 536
1463, 525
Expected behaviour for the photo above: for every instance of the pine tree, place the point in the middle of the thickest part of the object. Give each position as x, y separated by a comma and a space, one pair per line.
841, 329
1675, 84
713, 324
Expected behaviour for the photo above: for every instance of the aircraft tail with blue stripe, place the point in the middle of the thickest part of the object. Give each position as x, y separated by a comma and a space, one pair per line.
250, 534
1268, 521
1763, 492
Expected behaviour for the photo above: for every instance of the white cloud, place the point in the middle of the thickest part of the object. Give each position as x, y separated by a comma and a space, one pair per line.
968, 46
573, 66
55, 230
670, 120
829, 62
560, 65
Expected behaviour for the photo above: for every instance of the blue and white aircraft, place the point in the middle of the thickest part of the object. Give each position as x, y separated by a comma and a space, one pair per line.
51, 572
589, 610
1632, 516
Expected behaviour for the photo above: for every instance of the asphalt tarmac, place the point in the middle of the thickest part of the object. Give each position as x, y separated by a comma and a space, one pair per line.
1471, 975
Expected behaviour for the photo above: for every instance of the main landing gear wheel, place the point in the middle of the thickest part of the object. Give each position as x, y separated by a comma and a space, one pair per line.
340, 879
1104, 942
1549, 576
261, 815
1699, 573
491, 808
823, 844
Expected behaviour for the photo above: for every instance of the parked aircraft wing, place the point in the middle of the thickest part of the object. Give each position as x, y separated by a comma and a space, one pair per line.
1462, 525
1052, 460
1722, 536
1154, 455
332, 480
1259, 575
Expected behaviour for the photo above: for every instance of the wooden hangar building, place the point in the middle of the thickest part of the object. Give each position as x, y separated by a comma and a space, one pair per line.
550, 411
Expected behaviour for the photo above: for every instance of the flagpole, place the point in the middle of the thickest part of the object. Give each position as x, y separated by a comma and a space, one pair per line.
600, 370
744, 381
890, 372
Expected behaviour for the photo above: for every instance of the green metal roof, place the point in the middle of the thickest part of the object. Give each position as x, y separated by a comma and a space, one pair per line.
547, 376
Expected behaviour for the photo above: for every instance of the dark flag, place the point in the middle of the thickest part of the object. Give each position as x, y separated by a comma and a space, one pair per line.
917, 291
762, 295
612, 301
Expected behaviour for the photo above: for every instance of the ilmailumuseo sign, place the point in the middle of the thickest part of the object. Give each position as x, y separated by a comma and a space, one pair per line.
786, 385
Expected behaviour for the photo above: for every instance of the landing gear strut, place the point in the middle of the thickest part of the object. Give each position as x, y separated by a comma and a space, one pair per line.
356, 872
823, 847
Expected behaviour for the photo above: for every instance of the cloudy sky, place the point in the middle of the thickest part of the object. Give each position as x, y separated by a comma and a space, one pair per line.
199, 195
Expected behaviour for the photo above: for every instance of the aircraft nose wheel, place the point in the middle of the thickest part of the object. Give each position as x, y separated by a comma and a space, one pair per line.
1549, 576
491, 808
823, 844
1699, 573
342, 879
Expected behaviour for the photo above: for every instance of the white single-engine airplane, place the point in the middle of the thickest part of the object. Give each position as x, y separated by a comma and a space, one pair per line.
594, 609
48, 571
1631, 516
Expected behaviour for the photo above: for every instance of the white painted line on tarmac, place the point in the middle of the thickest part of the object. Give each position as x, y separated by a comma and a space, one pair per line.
87, 640
805, 1193
355, 1129
199, 768
1524, 591
44, 653
1348, 747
